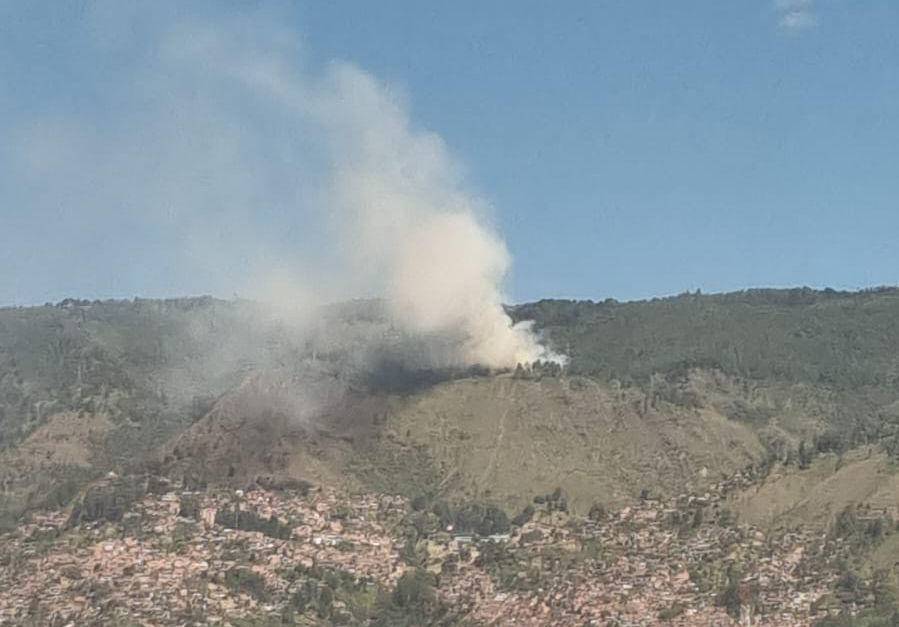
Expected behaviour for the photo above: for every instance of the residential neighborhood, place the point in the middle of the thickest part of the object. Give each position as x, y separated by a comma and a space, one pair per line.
186, 557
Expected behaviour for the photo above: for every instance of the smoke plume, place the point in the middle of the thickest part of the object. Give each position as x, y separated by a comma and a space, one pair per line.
240, 136
408, 217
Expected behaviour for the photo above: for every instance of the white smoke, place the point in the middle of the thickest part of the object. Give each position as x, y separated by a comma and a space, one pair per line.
194, 148
405, 220
408, 217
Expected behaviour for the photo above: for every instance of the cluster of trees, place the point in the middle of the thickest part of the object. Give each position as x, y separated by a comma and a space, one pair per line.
733, 595
861, 529
339, 597
537, 370
473, 517
242, 580
412, 602
865, 602
825, 337
245, 520
108, 500
686, 521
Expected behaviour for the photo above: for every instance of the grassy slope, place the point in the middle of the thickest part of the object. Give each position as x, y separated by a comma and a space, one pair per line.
495, 438
815, 495
509, 440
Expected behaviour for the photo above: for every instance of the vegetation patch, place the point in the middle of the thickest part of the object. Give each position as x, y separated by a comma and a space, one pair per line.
246, 520
242, 580
108, 501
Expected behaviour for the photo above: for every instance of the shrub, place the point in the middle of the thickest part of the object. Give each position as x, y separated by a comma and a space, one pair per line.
414, 590
413, 602
672, 612
597, 512
524, 516
480, 518
189, 507
242, 580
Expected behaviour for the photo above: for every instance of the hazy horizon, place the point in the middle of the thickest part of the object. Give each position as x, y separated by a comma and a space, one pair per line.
510, 303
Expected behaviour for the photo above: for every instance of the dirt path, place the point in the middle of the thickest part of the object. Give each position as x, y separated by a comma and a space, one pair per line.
497, 444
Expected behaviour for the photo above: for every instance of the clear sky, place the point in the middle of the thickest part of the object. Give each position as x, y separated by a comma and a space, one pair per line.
628, 149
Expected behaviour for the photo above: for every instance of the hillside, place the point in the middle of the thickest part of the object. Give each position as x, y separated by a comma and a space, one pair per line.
501, 439
657, 394
839, 339
788, 397
841, 348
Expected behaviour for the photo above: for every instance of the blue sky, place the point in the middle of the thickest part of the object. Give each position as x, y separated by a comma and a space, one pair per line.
627, 149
